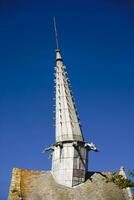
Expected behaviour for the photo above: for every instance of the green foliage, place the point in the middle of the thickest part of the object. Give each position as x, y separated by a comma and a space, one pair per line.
119, 180
131, 173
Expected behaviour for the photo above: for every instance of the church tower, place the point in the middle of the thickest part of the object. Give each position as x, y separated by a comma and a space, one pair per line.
69, 157
70, 152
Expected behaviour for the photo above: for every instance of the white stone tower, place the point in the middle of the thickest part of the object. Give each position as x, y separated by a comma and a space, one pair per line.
70, 152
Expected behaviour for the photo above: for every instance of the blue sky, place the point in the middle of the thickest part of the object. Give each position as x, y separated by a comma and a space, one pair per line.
96, 38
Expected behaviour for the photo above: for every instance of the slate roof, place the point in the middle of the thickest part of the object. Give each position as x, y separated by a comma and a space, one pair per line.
40, 185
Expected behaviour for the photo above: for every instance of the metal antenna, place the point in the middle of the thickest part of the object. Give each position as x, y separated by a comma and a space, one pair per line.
56, 34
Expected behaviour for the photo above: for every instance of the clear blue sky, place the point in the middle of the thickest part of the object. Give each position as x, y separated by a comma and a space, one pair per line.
97, 42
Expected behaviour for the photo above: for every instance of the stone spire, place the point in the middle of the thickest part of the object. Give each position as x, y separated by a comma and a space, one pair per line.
70, 152
67, 122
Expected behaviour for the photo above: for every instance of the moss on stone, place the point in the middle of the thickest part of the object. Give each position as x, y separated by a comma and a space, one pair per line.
119, 180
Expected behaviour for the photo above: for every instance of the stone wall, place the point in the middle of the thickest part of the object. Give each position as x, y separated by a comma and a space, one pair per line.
15, 189
69, 164
40, 185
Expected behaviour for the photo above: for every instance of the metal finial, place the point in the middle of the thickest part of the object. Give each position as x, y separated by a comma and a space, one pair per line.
56, 34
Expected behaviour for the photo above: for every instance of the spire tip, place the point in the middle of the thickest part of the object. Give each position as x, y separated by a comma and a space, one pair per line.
56, 33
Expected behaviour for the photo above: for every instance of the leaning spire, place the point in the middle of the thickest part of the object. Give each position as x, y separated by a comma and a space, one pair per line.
67, 123
70, 152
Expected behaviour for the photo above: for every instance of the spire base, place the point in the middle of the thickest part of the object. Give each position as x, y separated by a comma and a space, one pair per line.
69, 164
